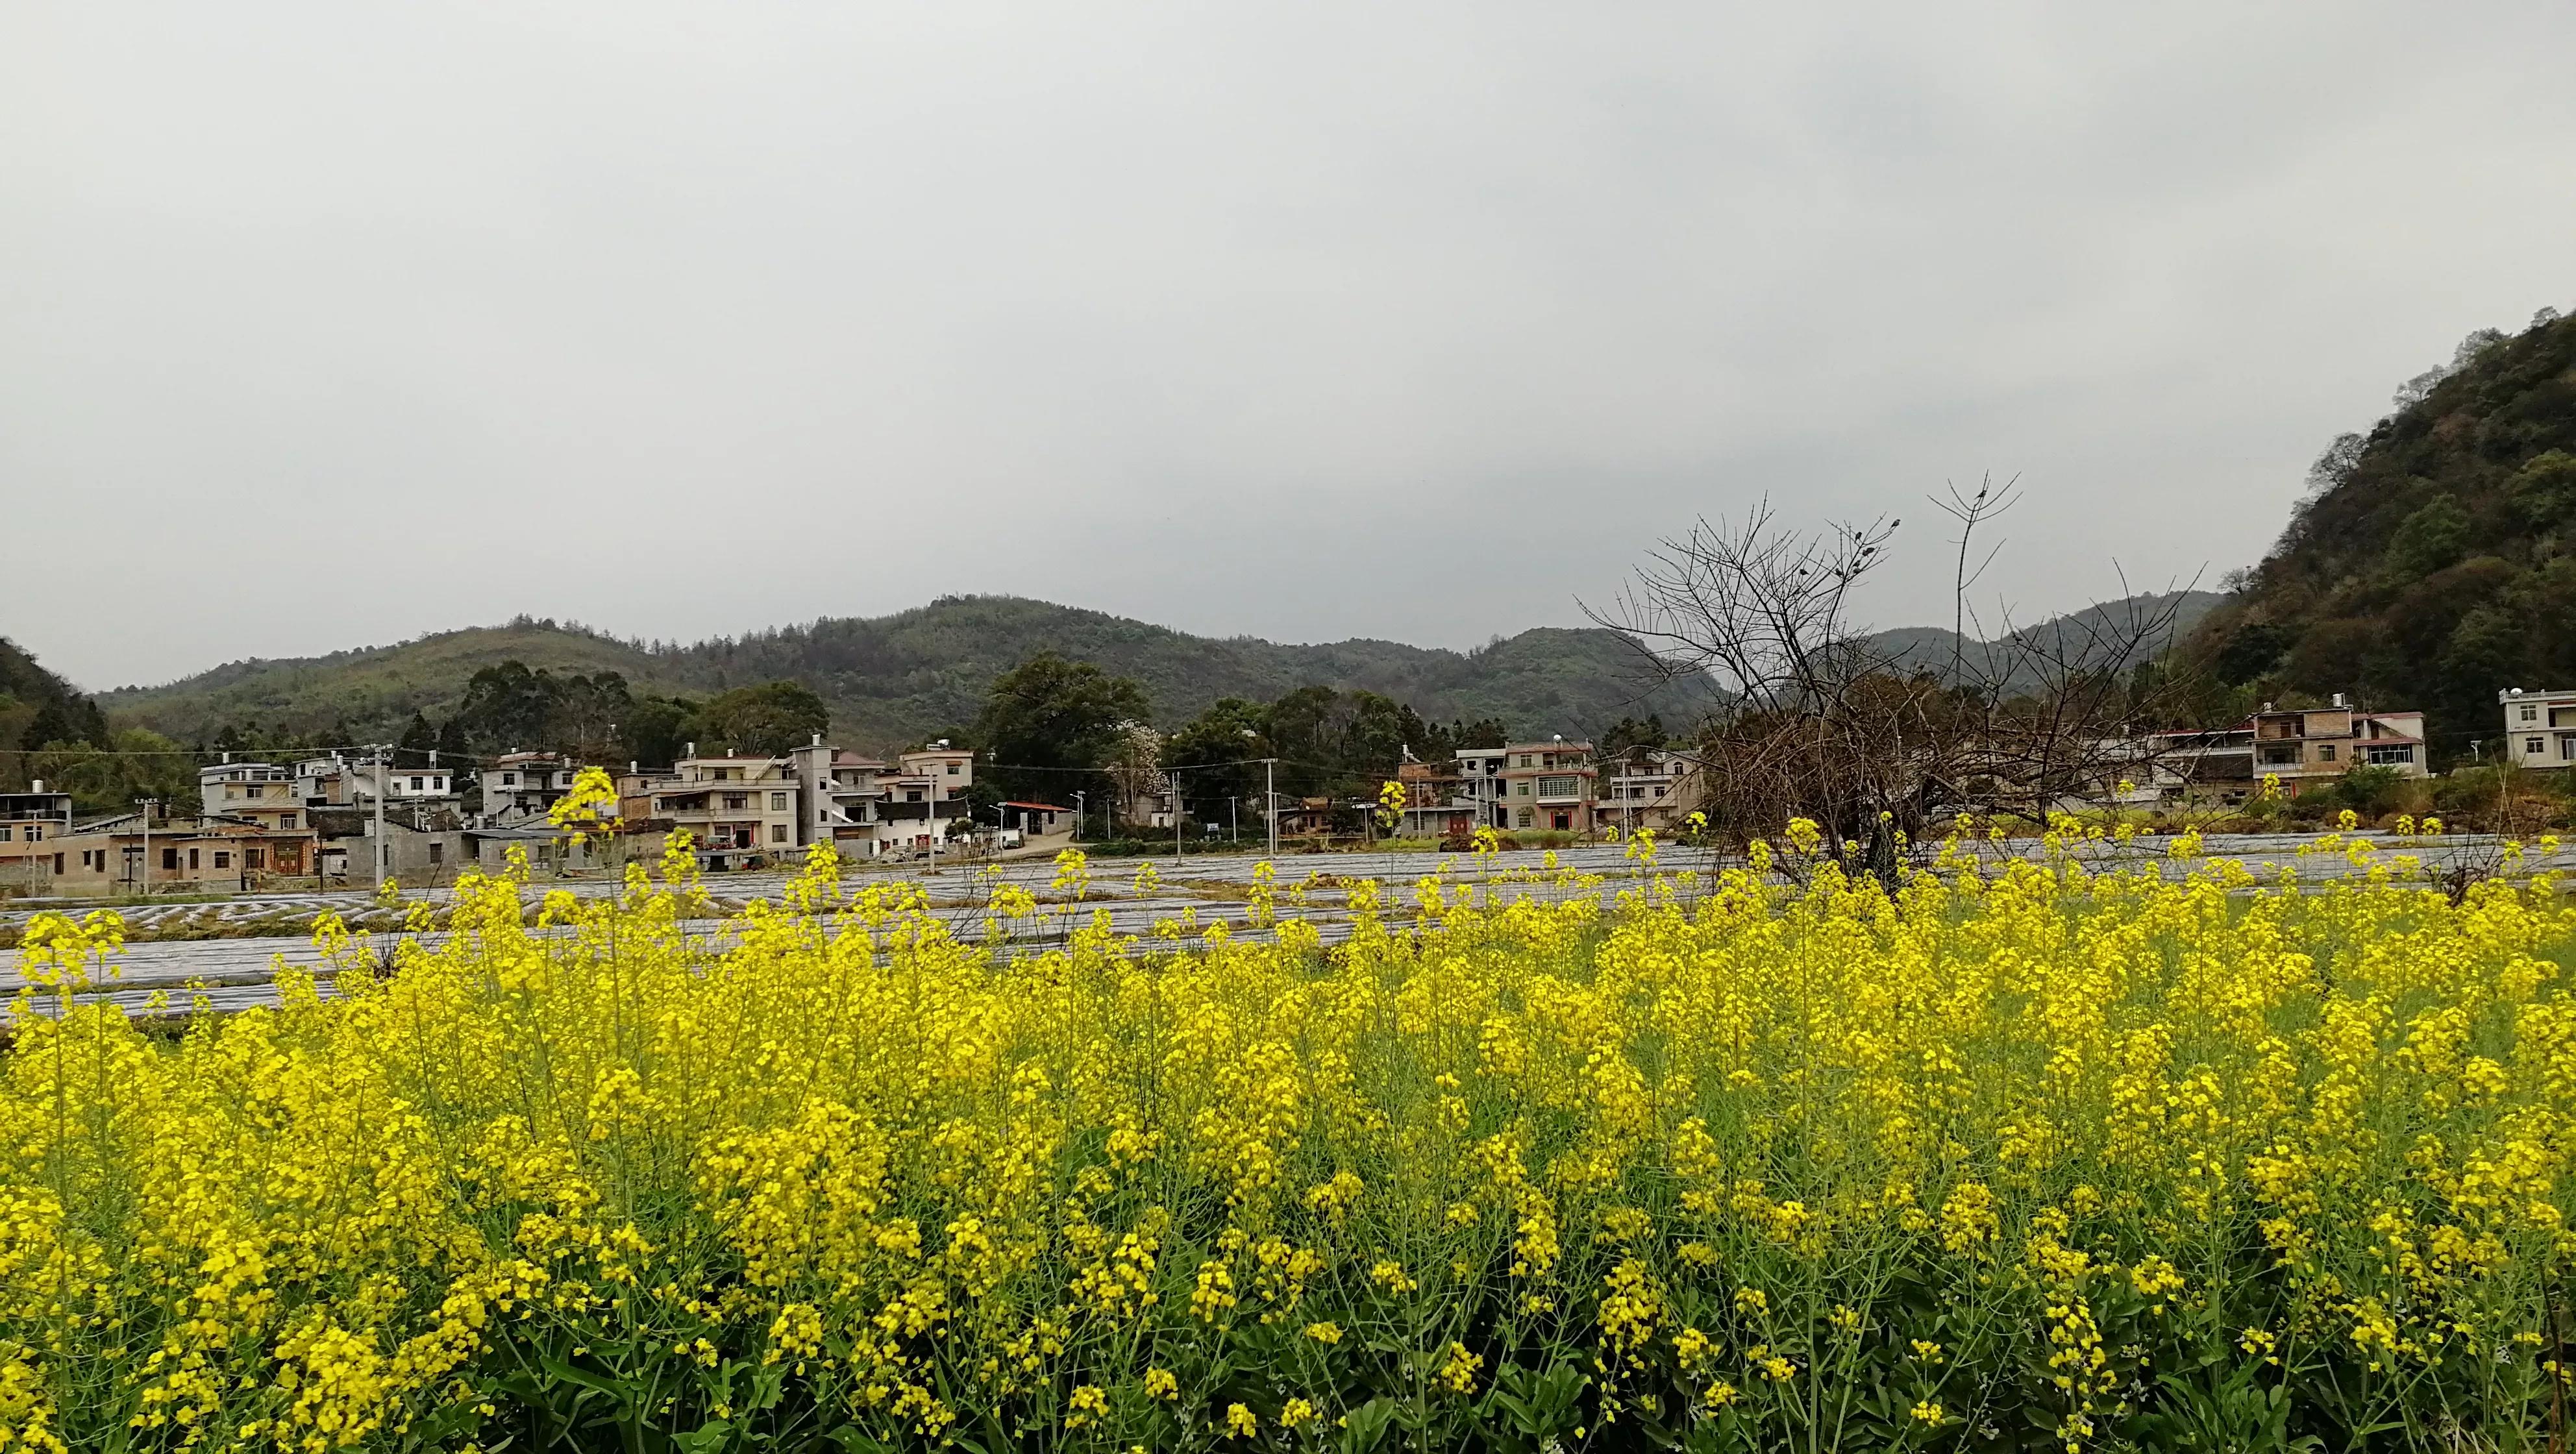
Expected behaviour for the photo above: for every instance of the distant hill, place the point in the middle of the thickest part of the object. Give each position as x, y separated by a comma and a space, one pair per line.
37, 707
898, 678
2081, 636
2433, 560
895, 679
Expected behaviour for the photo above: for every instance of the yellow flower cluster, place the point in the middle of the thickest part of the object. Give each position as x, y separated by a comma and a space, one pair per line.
2121, 1157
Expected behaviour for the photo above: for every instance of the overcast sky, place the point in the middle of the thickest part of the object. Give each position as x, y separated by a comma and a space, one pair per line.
325, 325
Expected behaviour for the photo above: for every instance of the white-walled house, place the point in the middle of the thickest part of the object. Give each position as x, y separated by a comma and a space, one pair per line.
2539, 727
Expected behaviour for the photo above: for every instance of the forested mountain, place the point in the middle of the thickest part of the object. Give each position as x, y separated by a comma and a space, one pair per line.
895, 679
2111, 636
2430, 564
37, 707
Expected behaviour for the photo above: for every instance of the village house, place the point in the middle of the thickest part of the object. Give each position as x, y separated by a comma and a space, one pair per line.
260, 792
424, 844
1037, 820
2303, 747
925, 805
171, 852
520, 787
2539, 728
33, 825
338, 781
1143, 805
1656, 788
550, 850
734, 809
1436, 804
1543, 786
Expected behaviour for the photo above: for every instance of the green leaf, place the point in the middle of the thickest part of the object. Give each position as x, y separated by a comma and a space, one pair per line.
706, 1438
1362, 1427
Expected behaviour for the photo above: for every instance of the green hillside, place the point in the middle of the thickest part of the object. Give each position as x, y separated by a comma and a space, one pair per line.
373, 691
895, 679
2431, 563
37, 707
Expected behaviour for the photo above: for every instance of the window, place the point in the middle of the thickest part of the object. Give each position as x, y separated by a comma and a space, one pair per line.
2391, 754
777, 832
286, 820
437, 851
415, 785
2530, 713
2326, 753
192, 858
1659, 790
6, 830
254, 858
169, 858
1523, 819
737, 801
1556, 787
912, 795
2531, 747
254, 791
509, 779
952, 769
223, 858
58, 863
1522, 787
778, 802
1525, 759
2566, 753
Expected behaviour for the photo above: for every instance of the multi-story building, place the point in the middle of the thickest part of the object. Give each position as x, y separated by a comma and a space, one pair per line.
430, 786
1656, 788
33, 825
924, 802
519, 787
2301, 746
731, 807
337, 781
734, 808
1545, 786
838, 796
2539, 727
1480, 785
260, 792
1436, 804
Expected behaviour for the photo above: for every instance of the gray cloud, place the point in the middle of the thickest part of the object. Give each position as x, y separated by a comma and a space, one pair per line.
328, 324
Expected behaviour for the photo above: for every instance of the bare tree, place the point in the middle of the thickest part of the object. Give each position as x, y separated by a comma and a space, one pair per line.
1820, 722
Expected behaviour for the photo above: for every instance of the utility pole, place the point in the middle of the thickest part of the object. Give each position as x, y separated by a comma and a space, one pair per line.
1080, 806
1174, 778
1270, 796
145, 863
1233, 820
379, 853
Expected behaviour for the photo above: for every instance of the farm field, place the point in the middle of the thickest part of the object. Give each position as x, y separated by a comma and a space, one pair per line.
2156, 1151
171, 948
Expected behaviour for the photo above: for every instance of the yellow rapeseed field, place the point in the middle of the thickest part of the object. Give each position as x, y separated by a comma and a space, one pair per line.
2021, 1155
